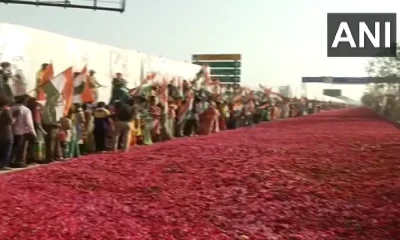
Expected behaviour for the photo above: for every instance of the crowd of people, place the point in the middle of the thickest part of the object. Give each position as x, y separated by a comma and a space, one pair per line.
28, 136
387, 105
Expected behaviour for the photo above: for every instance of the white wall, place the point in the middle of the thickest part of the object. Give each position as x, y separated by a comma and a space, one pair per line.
28, 48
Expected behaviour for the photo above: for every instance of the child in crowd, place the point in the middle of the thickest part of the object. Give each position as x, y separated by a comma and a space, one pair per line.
65, 136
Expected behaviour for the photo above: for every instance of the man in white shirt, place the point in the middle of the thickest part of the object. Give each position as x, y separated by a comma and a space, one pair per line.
24, 132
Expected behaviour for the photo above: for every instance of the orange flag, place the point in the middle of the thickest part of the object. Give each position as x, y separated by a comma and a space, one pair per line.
44, 76
87, 94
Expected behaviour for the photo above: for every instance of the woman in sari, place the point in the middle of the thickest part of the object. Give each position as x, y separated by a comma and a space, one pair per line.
172, 107
37, 147
224, 110
88, 137
77, 118
81, 131
102, 125
73, 146
164, 127
110, 131
64, 135
203, 107
210, 120
233, 118
181, 118
146, 123
217, 115
192, 123
155, 113
263, 108
135, 126
272, 112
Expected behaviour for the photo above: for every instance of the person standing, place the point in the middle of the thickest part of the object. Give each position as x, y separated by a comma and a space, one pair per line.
65, 136
76, 116
155, 112
39, 80
6, 133
5, 77
24, 132
164, 122
210, 120
224, 110
94, 85
233, 117
36, 148
88, 139
50, 123
102, 125
135, 125
181, 118
171, 116
146, 123
122, 126
248, 110
193, 118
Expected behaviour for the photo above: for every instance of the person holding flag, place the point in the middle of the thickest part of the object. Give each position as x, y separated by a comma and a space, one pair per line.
58, 92
94, 85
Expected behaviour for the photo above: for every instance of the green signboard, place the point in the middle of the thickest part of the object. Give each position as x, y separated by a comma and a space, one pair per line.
226, 79
226, 68
332, 92
218, 71
220, 64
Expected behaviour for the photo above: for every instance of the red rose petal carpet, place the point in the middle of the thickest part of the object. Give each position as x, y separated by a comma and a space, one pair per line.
334, 175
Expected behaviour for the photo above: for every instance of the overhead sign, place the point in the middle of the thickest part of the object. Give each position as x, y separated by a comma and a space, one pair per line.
231, 64
332, 92
216, 57
226, 79
328, 79
350, 80
225, 67
233, 71
227, 84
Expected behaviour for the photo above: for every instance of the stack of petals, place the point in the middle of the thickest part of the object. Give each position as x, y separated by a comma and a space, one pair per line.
334, 175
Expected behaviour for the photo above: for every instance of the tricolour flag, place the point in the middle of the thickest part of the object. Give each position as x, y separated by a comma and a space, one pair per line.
145, 86
82, 91
59, 92
43, 77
